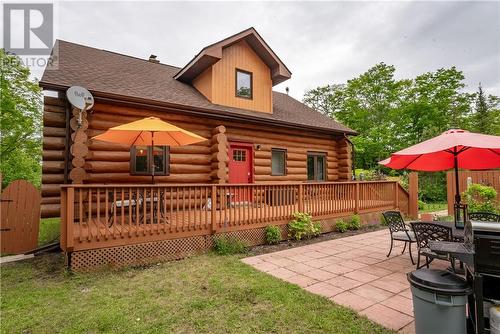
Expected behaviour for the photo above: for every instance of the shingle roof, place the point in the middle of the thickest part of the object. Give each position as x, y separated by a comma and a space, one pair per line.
105, 72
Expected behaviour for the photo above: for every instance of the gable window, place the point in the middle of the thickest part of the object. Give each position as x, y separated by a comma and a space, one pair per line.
278, 161
316, 166
243, 84
143, 158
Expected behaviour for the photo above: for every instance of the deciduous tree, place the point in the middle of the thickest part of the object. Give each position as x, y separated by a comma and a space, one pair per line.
20, 122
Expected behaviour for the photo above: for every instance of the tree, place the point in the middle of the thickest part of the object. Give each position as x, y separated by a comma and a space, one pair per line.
487, 113
482, 115
433, 104
391, 114
326, 99
20, 122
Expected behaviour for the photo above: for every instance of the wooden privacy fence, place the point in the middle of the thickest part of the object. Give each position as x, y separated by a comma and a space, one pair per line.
97, 216
486, 177
20, 217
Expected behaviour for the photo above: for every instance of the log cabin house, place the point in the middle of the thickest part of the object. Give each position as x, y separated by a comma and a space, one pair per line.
255, 137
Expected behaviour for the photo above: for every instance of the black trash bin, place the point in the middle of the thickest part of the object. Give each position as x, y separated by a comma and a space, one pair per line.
439, 300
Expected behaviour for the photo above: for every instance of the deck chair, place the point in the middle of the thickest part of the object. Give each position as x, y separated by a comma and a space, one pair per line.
129, 205
484, 217
399, 231
424, 232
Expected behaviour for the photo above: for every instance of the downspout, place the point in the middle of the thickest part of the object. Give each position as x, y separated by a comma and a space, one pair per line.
353, 168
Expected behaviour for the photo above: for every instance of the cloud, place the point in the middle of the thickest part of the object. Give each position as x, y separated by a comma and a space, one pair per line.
321, 42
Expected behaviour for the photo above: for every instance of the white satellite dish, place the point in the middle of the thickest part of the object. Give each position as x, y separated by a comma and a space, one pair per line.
80, 98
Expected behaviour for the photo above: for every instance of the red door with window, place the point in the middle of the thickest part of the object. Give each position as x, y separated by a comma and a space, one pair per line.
240, 169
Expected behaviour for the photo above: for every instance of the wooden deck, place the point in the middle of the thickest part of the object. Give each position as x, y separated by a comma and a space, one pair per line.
190, 221
114, 215
92, 220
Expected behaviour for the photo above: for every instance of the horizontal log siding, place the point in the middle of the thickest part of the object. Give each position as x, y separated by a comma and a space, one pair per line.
296, 158
53, 156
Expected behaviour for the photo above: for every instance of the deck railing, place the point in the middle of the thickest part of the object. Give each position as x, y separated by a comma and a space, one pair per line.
96, 216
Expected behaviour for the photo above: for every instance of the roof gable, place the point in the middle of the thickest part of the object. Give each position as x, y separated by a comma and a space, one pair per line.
211, 54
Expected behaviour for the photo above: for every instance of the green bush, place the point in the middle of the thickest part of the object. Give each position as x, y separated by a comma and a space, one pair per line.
421, 205
481, 198
341, 226
224, 245
369, 175
302, 226
383, 222
273, 234
355, 223
432, 187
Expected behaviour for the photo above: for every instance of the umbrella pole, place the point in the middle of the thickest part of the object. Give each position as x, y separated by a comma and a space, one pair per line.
457, 190
457, 207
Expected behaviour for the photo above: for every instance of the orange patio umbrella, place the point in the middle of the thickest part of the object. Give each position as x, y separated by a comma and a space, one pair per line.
149, 131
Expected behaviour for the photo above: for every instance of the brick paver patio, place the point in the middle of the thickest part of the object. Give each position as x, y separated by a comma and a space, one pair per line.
354, 272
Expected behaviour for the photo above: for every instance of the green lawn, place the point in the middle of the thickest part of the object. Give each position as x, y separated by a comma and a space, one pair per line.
203, 294
49, 230
433, 207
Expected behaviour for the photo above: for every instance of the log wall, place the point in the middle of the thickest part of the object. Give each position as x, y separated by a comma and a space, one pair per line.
54, 161
204, 162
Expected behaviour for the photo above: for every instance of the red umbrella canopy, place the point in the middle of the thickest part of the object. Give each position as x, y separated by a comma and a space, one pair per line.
473, 151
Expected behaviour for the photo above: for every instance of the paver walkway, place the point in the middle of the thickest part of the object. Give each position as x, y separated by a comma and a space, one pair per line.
354, 272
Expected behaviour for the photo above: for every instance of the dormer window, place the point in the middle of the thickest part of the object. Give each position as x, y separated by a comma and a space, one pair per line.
244, 84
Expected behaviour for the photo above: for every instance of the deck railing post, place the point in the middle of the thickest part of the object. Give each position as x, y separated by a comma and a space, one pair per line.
64, 219
301, 197
70, 218
413, 195
213, 213
356, 199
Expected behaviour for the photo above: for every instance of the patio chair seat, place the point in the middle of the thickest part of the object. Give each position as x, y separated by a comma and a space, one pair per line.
403, 236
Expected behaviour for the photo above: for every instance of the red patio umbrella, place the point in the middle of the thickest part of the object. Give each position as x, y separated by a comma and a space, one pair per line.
455, 149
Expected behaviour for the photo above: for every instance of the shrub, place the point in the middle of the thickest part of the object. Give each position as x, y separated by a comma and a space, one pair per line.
302, 226
481, 198
224, 245
341, 226
432, 187
355, 223
421, 205
273, 234
383, 222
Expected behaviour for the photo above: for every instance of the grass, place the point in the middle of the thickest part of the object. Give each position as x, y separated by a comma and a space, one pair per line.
49, 230
433, 207
203, 294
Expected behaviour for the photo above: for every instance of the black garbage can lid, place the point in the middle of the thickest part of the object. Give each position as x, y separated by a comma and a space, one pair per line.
441, 281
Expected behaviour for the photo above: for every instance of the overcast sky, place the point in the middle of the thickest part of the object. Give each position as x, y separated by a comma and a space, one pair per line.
320, 42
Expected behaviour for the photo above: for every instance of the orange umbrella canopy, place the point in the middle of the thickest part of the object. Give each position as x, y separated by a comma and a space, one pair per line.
147, 130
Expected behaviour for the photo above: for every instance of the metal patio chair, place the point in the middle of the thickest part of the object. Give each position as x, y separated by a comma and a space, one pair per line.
424, 232
399, 231
128, 204
484, 217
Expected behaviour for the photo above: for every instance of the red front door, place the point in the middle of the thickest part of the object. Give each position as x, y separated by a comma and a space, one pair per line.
240, 169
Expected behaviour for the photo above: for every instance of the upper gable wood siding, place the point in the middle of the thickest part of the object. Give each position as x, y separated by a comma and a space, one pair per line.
203, 83
218, 83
